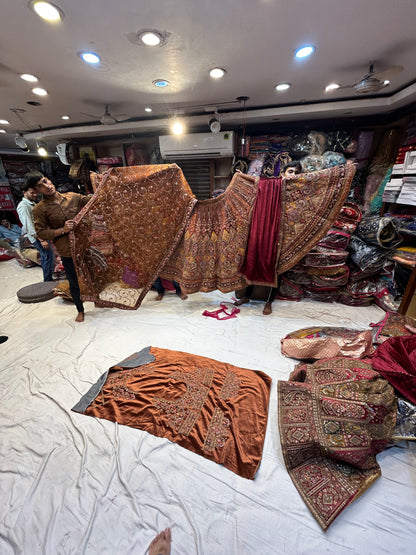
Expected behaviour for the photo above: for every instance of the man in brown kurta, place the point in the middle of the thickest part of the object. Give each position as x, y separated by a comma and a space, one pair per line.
54, 218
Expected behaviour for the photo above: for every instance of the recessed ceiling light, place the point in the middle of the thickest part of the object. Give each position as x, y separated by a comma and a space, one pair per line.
4, 122
304, 51
65, 117
3, 131
47, 10
282, 86
147, 109
177, 128
28, 77
386, 82
39, 91
217, 72
90, 57
150, 38
331, 87
160, 83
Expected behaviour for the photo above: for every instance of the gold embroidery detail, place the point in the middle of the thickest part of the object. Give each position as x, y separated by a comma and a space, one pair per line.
184, 412
218, 431
230, 386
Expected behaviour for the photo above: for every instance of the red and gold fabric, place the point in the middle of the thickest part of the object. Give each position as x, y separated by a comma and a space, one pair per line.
128, 230
211, 252
334, 417
311, 202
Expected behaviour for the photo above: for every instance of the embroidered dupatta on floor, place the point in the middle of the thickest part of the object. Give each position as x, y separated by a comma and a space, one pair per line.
212, 408
334, 417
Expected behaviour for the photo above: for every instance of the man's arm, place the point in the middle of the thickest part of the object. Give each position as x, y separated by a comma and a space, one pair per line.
24, 215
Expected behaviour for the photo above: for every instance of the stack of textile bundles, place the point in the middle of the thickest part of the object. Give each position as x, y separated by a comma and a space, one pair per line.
371, 247
322, 273
268, 154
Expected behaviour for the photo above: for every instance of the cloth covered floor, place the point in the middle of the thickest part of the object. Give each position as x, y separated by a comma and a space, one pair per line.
72, 484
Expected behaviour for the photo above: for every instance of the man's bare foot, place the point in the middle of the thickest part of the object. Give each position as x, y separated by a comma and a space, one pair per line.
183, 296
159, 296
267, 309
244, 300
80, 317
161, 544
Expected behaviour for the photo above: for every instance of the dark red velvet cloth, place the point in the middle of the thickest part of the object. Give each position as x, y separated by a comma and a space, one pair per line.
260, 260
395, 360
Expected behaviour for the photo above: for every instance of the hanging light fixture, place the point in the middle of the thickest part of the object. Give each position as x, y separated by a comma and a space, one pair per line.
41, 148
177, 128
215, 124
21, 142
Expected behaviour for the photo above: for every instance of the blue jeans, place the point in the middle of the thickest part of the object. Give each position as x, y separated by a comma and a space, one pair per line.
47, 260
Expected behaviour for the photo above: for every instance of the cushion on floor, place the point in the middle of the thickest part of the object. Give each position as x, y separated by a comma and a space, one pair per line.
36, 292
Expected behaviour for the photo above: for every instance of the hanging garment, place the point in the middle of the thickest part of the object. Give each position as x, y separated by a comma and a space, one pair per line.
129, 229
211, 251
311, 203
212, 408
334, 417
260, 259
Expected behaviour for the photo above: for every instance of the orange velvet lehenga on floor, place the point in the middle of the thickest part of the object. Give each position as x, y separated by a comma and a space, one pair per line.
212, 408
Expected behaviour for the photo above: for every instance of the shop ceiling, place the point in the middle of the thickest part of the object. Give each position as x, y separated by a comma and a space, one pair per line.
253, 40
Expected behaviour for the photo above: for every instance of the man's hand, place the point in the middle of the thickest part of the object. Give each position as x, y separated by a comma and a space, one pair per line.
45, 245
69, 226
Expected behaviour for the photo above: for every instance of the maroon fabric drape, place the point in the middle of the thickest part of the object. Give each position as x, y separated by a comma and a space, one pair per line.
260, 260
395, 360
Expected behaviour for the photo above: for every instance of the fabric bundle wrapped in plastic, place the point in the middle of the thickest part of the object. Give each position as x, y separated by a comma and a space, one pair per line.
406, 421
287, 290
382, 232
321, 294
365, 256
335, 239
392, 325
324, 342
348, 218
321, 257
360, 293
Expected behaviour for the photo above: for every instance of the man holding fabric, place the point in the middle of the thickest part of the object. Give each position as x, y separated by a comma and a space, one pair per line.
53, 218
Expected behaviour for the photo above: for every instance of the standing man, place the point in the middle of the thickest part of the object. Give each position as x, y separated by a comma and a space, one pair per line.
25, 211
53, 218
289, 170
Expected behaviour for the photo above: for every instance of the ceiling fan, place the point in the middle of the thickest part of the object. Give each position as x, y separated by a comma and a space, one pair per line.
373, 82
107, 118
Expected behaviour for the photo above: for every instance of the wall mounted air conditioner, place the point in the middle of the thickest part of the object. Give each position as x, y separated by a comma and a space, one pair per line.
197, 145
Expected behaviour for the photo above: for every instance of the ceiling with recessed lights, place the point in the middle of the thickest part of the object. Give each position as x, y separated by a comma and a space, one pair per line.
153, 61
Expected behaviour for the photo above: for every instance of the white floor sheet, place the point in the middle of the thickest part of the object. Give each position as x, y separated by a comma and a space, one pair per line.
72, 484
